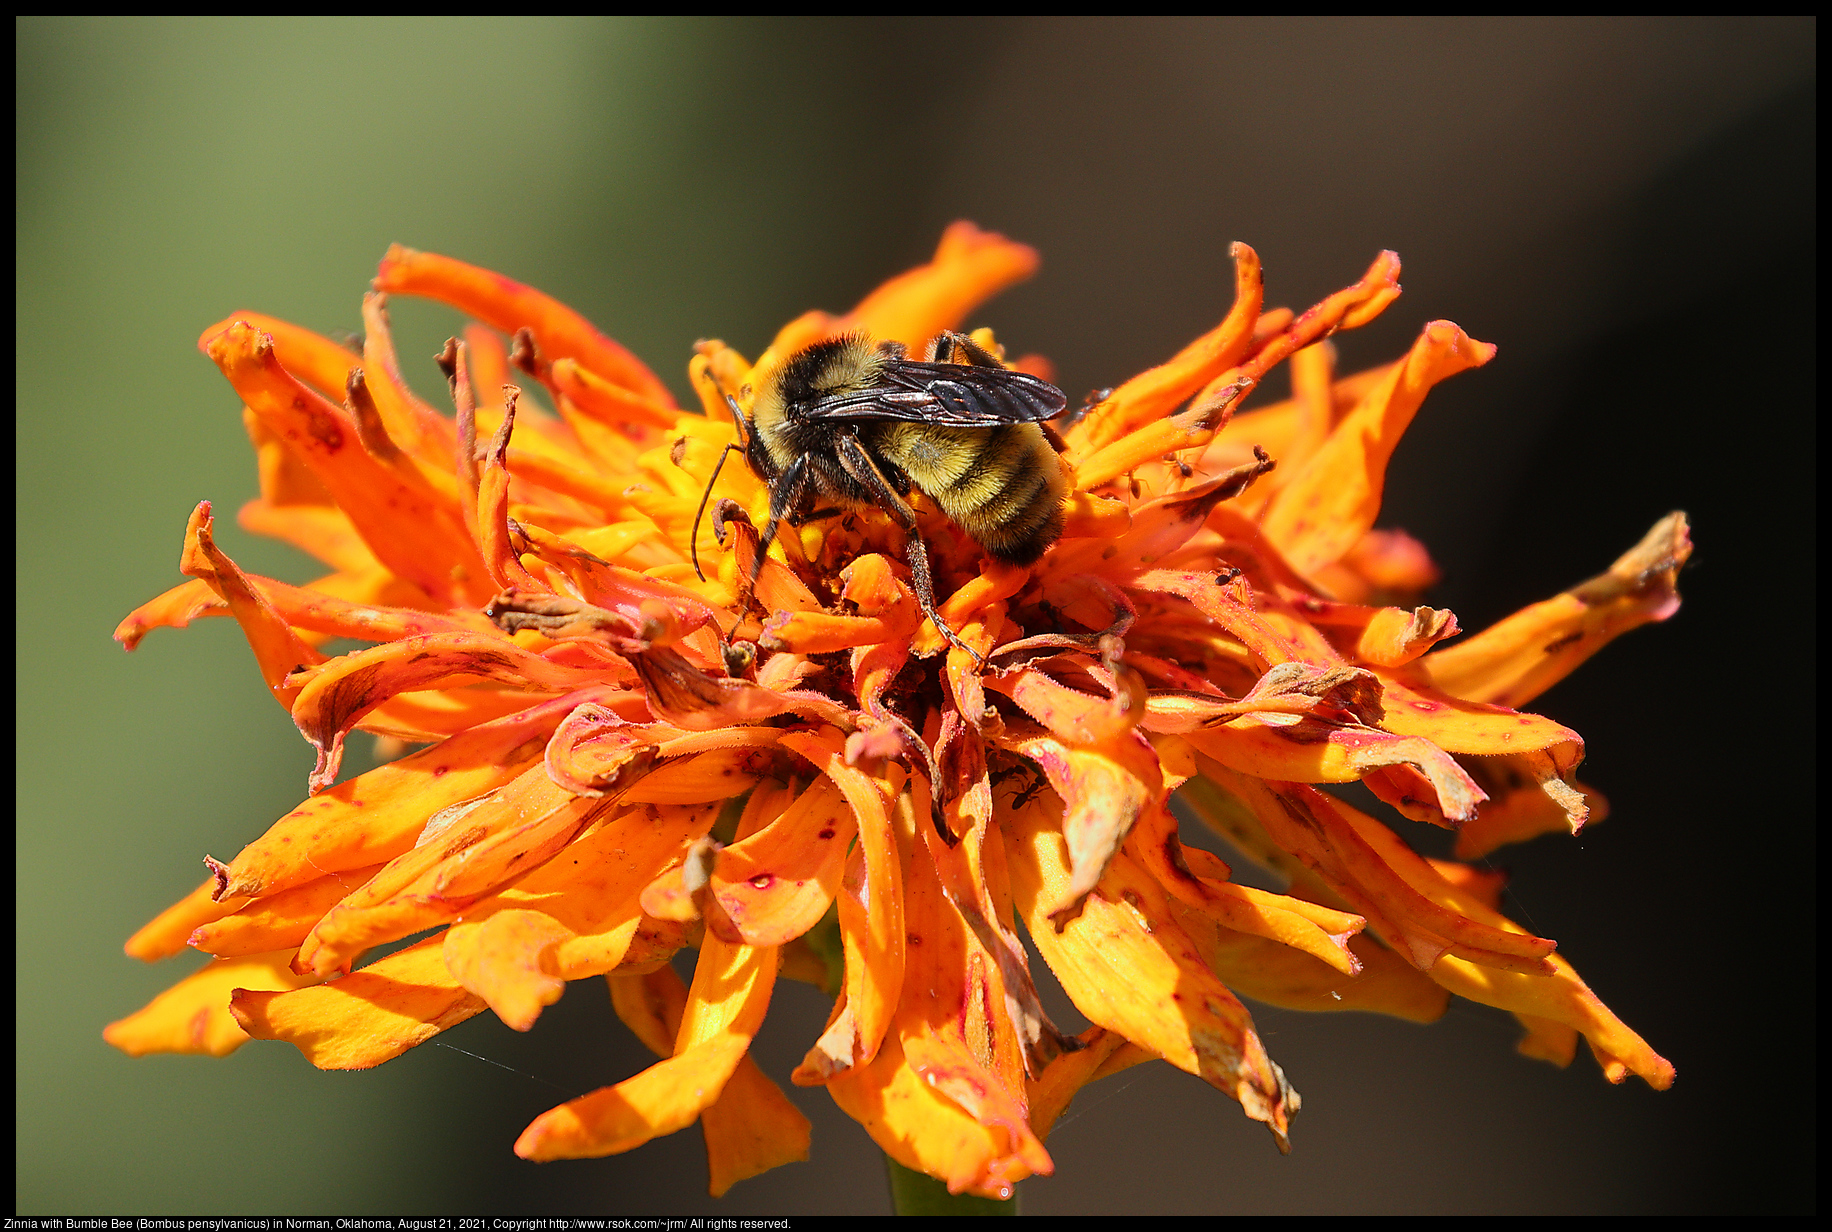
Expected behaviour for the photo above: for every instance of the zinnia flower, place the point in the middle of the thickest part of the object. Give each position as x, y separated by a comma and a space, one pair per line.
800, 776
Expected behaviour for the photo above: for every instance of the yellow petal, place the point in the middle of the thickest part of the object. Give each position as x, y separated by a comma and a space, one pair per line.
193, 1015
363, 1019
730, 993
1128, 966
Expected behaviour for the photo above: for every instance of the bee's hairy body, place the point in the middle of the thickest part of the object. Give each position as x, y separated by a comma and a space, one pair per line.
1000, 483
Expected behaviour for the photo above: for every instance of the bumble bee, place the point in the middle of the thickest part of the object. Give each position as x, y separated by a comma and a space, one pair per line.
859, 425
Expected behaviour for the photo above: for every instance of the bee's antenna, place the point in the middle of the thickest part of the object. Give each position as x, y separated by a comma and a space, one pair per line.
744, 427
693, 543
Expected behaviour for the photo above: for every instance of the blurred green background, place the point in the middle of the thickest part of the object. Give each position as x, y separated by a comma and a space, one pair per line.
1625, 207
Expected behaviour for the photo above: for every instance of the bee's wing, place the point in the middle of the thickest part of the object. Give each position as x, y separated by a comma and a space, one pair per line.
950, 395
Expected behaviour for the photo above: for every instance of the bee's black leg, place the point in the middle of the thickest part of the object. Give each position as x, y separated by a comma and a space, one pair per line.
785, 494
949, 342
859, 465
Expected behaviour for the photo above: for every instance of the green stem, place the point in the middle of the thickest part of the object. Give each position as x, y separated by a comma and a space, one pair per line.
916, 1193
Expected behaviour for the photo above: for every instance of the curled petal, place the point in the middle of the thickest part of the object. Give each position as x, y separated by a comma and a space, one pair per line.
335, 697
1319, 515
682, 694
1511, 663
418, 539
510, 960
1519, 807
1149, 396
731, 990
1311, 751
1318, 830
1106, 789
276, 647
1562, 997
509, 306
468, 853
776, 884
1379, 636
871, 903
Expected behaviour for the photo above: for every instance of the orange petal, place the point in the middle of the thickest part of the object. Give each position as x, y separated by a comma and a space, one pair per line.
315, 359
430, 437
924, 1130
193, 1015
1519, 808
1128, 966
752, 1127
1158, 527
1261, 969
1051, 1091
277, 649
605, 402
1072, 715
559, 332
1152, 394
720, 774
953, 1033
419, 541
323, 531
1199, 882
278, 921
969, 267
168, 932
510, 960
1514, 661
1319, 515
378, 815
361, 1020
1311, 751
1378, 636
337, 695
1407, 911
1383, 562
777, 883
1562, 997
873, 904
1106, 789
491, 532
466, 853
682, 694
175, 609
731, 990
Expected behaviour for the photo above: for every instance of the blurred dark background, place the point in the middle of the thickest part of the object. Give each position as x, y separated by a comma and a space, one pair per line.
1625, 207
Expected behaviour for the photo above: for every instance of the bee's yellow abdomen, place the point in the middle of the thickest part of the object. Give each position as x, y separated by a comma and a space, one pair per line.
1003, 485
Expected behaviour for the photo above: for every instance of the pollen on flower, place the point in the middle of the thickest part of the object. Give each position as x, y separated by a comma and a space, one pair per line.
650, 697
